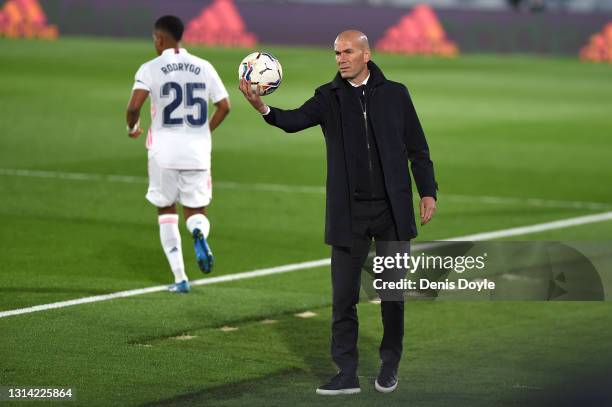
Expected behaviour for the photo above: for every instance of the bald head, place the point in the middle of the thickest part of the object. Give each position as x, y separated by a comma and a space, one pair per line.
352, 55
356, 37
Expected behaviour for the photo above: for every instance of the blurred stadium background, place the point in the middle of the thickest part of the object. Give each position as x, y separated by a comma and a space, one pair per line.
514, 97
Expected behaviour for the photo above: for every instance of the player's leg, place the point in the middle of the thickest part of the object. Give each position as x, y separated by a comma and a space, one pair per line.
162, 193
170, 238
195, 193
199, 227
195, 218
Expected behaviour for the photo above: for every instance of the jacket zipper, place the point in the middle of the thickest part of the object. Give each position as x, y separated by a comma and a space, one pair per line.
370, 165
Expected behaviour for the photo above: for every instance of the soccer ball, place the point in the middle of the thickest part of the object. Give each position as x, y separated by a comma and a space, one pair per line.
261, 69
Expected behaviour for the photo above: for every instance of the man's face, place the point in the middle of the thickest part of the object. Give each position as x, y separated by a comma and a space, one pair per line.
350, 58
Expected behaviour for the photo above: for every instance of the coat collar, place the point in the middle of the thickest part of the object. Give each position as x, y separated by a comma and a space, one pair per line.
376, 77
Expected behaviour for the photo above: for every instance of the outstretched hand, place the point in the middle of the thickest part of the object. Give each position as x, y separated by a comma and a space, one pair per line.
252, 96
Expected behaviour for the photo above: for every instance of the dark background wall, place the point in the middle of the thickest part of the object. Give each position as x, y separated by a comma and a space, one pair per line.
291, 23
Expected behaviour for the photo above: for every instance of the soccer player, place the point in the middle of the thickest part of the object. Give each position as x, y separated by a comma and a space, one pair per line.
179, 141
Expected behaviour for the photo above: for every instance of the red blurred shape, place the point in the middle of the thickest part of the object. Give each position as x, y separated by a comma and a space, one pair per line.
418, 32
599, 47
219, 24
25, 19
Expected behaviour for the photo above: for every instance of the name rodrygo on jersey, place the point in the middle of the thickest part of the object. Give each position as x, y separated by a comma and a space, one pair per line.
181, 86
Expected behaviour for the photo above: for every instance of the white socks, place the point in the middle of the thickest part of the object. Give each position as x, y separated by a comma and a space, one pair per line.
198, 221
171, 240
171, 243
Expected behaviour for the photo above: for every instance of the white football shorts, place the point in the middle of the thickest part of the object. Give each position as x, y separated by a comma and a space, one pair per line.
192, 188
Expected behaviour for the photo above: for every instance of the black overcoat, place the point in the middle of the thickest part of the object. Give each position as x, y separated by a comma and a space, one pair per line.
399, 137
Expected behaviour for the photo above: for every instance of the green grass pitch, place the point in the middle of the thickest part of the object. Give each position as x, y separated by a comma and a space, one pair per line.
513, 127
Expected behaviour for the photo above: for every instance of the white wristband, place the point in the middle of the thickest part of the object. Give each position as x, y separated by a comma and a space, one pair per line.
135, 128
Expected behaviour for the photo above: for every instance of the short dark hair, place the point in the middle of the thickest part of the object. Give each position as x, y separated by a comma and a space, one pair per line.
172, 25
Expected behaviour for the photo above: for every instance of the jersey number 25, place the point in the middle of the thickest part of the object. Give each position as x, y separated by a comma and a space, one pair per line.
190, 100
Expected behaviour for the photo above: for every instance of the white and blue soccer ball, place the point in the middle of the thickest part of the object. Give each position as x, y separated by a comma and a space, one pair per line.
261, 69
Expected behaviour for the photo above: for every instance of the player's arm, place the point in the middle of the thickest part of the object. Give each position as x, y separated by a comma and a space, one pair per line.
221, 111
132, 114
291, 121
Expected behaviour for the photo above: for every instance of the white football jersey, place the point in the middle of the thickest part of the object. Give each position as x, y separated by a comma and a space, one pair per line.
181, 86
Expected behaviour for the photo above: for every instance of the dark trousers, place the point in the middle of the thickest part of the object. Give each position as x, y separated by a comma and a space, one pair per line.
371, 219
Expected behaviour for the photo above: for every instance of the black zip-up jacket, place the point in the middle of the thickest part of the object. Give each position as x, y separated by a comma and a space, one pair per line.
369, 179
399, 138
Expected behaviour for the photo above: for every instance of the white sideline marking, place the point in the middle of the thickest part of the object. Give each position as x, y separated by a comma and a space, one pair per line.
261, 187
545, 203
540, 227
158, 288
75, 176
522, 230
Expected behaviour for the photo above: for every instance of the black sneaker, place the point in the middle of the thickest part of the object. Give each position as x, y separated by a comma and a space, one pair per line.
386, 381
340, 384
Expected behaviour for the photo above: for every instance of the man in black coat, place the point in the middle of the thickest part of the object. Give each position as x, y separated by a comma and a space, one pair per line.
371, 131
